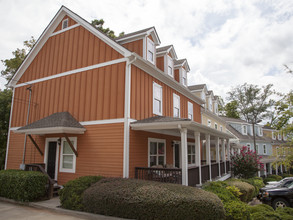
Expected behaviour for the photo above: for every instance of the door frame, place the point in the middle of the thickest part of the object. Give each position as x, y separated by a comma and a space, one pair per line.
57, 154
177, 142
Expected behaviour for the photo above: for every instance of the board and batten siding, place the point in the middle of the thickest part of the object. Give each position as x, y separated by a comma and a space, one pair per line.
91, 95
142, 98
70, 23
135, 46
69, 50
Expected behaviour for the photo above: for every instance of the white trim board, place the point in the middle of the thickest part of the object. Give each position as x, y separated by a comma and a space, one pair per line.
66, 29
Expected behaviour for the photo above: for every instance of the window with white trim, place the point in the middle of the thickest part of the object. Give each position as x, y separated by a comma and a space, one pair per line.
216, 126
65, 23
190, 110
150, 51
191, 154
157, 152
216, 108
260, 133
210, 104
157, 99
67, 157
176, 105
244, 129
264, 149
221, 128
256, 148
209, 123
170, 66
279, 136
273, 135
184, 77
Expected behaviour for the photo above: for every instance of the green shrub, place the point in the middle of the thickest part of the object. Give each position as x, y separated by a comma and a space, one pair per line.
22, 185
285, 213
246, 189
268, 215
284, 175
257, 182
220, 189
261, 208
236, 191
139, 199
236, 210
71, 194
276, 177
268, 179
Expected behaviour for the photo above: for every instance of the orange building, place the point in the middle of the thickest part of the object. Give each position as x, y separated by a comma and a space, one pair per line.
86, 104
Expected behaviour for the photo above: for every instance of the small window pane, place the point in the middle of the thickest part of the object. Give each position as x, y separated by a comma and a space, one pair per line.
153, 148
67, 161
161, 148
66, 148
150, 56
189, 159
153, 160
176, 112
161, 160
193, 159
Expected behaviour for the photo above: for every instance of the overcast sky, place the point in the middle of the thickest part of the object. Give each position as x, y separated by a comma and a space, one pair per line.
226, 43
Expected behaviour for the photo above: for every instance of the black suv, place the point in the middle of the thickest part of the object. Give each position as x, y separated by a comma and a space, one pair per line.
280, 196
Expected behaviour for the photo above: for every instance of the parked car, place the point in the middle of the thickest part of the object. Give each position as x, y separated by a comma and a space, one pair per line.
281, 196
278, 182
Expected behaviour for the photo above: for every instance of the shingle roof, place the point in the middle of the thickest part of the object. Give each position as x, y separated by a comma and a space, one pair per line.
160, 119
233, 120
133, 33
246, 137
179, 62
165, 48
196, 87
59, 119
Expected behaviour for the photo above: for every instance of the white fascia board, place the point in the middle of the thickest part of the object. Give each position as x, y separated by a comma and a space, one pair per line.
132, 38
166, 79
48, 32
155, 36
52, 130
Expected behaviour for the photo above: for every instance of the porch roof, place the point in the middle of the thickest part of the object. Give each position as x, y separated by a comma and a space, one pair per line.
60, 122
171, 126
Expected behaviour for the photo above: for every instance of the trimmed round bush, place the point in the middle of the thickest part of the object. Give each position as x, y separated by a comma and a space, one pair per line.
246, 189
71, 194
257, 182
139, 199
22, 185
237, 210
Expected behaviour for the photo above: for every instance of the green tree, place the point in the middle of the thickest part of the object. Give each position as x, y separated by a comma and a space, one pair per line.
5, 104
12, 64
231, 110
99, 25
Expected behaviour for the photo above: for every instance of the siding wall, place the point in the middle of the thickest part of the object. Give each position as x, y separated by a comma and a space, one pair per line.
135, 46
70, 23
177, 75
160, 63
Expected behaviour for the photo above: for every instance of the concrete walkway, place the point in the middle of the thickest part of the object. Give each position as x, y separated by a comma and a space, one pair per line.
45, 210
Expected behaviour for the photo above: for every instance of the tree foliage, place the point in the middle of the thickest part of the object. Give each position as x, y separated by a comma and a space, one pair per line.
99, 25
12, 64
5, 104
252, 101
231, 110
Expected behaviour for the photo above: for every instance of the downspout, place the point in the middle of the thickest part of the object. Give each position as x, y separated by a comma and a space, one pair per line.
22, 166
127, 117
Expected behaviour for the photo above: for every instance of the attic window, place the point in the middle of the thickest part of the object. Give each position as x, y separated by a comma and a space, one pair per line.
184, 77
64, 23
244, 129
150, 50
170, 66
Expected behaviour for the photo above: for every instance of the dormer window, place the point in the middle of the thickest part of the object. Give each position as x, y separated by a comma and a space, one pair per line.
279, 136
215, 108
170, 66
184, 77
210, 104
65, 24
150, 51
244, 129
273, 135
260, 131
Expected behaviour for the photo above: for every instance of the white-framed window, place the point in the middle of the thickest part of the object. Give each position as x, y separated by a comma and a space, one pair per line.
157, 152
256, 148
65, 23
221, 128
190, 110
209, 123
264, 149
260, 133
273, 135
216, 126
244, 129
191, 154
157, 99
150, 51
279, 136
176, 105
170, 66
216, 108
210, 104
67, 157
184, 77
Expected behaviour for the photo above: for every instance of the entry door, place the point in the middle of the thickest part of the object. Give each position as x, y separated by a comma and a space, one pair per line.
51, 161
177, 155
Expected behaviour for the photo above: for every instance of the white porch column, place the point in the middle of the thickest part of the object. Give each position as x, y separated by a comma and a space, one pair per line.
218, 154
184, 166
208, 154
197, 154
271, 168
265, 169
276, 169
258, 173
224, 155
232, 150
238, 150
281, 168
228, 150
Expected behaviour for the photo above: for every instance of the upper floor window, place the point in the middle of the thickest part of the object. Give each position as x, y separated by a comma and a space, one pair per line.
170, 66
184, 76
176, 105
256, 148
260, 131
190, 110
244, 129
150, 51
216, 126
209, 123
64, 23
221, 128
279, 136
264, 149
157, 99
273, 135
216, 108
210, 104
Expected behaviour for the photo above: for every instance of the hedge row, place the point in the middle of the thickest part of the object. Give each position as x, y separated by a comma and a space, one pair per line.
138, 199
22, 185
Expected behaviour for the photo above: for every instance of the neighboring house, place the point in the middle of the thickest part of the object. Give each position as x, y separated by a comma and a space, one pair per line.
280, 146
99, 106
243, 136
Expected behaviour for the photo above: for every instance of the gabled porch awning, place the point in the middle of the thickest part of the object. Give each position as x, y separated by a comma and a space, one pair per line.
57, 123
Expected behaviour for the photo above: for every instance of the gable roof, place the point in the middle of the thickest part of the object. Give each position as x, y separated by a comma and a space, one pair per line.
167, 49
63, 11
60, 122
197, 87
237, 120
182, 62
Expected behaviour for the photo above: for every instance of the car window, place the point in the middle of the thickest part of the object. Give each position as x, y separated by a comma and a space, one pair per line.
287, 184
290, 186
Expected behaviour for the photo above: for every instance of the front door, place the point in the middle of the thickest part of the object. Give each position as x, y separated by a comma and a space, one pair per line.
177, 155
51, 161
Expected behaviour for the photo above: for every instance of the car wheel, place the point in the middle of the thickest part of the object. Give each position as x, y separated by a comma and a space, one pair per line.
279, 202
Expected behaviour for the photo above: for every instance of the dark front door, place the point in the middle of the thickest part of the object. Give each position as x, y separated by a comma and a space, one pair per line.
51, 162
177, 155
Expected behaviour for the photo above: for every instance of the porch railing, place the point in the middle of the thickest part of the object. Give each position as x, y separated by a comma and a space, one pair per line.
41, 168
166, 175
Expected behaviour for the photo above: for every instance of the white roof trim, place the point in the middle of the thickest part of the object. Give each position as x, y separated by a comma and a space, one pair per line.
52, 130
48, 32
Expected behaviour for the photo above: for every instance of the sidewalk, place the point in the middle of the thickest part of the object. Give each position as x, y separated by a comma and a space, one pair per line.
53, 206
